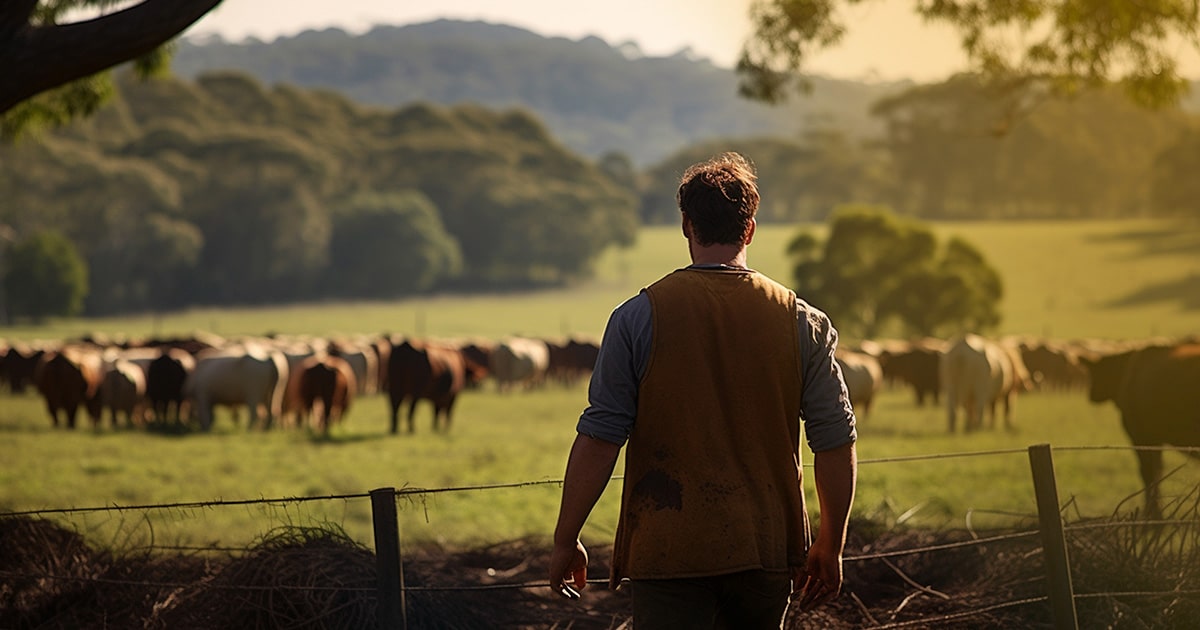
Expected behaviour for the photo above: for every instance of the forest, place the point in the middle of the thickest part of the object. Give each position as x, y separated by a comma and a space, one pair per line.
230, 188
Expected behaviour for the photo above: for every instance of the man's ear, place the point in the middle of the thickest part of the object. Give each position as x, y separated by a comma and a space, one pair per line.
750, 232
687, 226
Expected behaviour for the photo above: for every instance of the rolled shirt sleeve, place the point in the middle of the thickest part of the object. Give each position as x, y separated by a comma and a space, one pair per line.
825, 408
620, 365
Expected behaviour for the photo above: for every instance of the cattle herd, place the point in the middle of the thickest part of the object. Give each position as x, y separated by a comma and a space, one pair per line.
279, 381
310, 382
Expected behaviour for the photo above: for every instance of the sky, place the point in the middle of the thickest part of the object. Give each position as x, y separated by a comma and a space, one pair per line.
885, 41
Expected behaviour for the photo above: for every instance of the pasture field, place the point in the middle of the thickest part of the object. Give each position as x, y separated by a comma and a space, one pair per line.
522, 437
1107, 279
1118, 279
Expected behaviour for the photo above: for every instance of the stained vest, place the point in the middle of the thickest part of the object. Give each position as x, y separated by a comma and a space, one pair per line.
712, 466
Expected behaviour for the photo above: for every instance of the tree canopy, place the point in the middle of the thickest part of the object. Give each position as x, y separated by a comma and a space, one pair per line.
224, 191
1027, 46
878, 272
54, 69
44, 276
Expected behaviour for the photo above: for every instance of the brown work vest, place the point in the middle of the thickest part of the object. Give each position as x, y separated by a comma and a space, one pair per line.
712, 466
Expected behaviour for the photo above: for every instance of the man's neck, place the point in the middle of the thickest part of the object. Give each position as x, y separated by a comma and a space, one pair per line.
728, 255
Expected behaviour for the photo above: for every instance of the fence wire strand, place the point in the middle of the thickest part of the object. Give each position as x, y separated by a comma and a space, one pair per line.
415, 491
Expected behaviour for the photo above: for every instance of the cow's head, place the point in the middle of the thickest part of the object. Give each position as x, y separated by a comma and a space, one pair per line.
1105, 375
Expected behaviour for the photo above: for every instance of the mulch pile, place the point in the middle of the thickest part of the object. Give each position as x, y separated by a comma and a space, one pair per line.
318, 578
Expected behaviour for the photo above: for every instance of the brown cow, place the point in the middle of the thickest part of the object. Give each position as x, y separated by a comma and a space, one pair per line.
68, 379
1053, 366
123, 390
419, 370
326, 379
20, 361
478, 355
1157, 390
916, 365
571, 359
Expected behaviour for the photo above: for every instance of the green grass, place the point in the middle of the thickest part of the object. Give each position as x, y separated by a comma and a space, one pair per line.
500, 439
1062, 279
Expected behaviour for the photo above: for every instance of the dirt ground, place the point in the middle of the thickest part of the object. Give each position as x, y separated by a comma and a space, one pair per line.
315, 578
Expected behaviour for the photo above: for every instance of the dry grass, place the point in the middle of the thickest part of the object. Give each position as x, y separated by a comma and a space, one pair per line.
1126, 575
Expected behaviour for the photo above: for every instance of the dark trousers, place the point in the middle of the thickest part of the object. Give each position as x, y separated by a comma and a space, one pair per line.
744, 600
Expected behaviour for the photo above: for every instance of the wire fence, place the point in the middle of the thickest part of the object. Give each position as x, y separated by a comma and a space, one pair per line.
388, 552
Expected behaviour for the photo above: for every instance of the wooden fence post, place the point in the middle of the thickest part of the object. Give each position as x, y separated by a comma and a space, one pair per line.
391, 611
1054, 542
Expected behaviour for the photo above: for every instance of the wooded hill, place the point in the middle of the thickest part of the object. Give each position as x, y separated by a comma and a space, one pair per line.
596, 97
220, 191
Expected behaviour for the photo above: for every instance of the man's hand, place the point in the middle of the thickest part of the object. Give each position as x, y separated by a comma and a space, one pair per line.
821, 579
568, 566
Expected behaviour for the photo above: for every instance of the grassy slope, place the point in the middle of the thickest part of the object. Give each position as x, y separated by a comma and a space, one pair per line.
1057, 274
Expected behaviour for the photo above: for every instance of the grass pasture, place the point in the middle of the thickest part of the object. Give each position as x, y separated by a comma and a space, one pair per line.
1069, 280
502, 439
1108, 279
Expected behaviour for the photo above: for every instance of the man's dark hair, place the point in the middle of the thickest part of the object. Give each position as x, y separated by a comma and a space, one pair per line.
720, 196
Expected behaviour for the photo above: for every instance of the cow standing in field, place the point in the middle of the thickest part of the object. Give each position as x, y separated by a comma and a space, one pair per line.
978, 373
123, 390
362, 358
165, 377
478, 355
916, 364
571, 359
248, 375
1053, 367
68, 379
423, 371
20, 361
519, 361
1157, 390
328, 380
864, 378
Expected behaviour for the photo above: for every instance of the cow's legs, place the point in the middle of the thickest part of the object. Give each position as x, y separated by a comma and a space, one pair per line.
952, 410
1150, 465
447, 406
395, 414
412, 408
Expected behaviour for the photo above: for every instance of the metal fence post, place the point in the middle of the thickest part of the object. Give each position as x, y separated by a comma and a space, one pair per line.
391, 612
1054, 542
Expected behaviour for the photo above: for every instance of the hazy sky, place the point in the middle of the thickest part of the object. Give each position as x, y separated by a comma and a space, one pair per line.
885, 39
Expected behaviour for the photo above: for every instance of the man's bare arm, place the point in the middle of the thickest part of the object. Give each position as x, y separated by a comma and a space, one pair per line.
589, 468
835, 473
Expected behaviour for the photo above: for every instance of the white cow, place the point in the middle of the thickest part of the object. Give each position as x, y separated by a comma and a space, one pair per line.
519, 360
250, 375
977, 373
863, 376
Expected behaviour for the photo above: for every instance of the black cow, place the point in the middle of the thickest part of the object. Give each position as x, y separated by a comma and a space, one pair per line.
1157, 390
164, 382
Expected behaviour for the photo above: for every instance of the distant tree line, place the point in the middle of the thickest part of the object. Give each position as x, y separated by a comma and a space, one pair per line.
220, 191
942, 156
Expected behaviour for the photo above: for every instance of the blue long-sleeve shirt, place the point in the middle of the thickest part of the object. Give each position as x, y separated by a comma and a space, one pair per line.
625, 350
